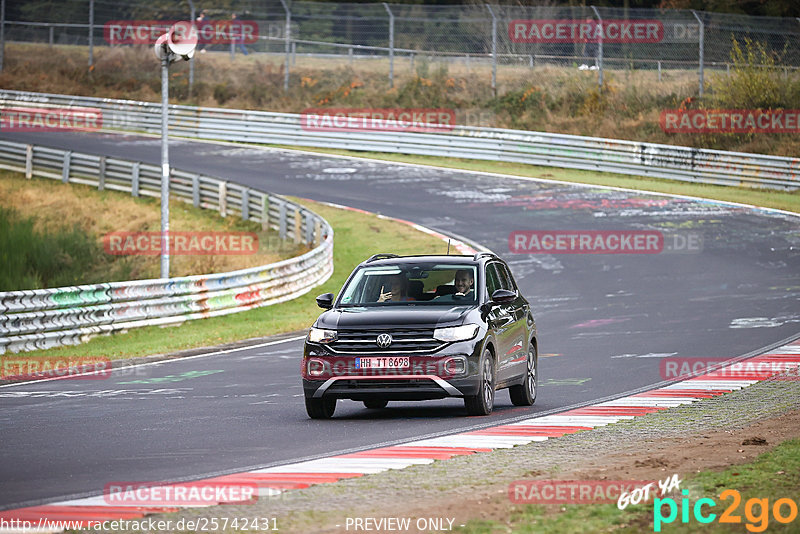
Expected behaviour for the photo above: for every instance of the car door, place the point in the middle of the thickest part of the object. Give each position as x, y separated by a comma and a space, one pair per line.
501, 320
514, 362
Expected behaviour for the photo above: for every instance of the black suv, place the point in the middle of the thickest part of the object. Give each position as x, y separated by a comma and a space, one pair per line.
422, 327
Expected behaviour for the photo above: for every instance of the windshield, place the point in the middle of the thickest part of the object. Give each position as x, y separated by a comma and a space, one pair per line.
413, 284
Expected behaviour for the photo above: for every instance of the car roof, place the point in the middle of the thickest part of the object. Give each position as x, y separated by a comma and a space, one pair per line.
387, 259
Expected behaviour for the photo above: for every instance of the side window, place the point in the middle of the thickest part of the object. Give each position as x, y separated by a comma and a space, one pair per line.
506, 279
492, 279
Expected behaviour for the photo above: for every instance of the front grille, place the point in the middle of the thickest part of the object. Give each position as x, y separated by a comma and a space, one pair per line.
404, 341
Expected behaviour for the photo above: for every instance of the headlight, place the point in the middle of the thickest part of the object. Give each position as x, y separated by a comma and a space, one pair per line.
318, 335
456, 333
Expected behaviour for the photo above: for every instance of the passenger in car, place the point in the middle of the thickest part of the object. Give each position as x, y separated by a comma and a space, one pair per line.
464, 287
398, 290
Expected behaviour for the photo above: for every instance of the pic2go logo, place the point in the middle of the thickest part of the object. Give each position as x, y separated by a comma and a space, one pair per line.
756, 511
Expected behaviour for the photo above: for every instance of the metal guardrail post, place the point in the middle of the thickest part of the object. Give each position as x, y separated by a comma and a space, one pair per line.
265, 212
309, 228
297, 222
91, 32
494, 50
29, 162
196, 191
245, 204
701, 59
282, 221
287, 37
50, 35
391, 44
223, 199
101, 174
599, 50
135, 179
65, 166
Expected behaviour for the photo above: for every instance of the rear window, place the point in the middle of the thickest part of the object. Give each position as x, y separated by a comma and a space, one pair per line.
410, 285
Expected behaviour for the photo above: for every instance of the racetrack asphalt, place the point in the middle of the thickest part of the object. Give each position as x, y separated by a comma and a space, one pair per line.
605, 321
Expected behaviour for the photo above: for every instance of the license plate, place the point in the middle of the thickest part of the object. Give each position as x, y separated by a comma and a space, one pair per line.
388, 362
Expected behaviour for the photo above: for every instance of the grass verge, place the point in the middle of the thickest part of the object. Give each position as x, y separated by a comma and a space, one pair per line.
356, 237
783, 200
772, 476
42, 208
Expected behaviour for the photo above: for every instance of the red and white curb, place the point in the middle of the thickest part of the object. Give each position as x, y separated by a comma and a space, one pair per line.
273, 481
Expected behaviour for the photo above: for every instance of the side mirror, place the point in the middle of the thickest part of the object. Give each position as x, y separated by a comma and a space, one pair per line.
325, 301
503, 296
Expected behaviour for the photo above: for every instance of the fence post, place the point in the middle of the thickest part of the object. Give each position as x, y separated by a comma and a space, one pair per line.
29, 162
391, 44
196, 190
287, 37
135, 179
223, 199
701, 39
494, 50
2, 32
245, 204
91, 32
101, 174
599, 50
65, 167
659, 70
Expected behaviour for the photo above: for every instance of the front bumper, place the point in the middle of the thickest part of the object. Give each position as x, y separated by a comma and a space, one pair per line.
427, 377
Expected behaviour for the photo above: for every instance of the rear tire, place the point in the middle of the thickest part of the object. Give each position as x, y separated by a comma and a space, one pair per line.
320, 408
376, 404
483, 402
525, 394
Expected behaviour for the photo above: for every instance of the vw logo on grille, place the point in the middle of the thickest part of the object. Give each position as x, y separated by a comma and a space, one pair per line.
384, 340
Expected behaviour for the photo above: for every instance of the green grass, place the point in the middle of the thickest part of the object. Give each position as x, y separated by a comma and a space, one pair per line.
34, 259
783, 200
773, 475
356, 237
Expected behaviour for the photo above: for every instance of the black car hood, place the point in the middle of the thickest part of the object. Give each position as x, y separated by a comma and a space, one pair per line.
393, 316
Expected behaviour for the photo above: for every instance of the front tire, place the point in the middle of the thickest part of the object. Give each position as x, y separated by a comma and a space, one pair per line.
483, 402
320, 408
525, 394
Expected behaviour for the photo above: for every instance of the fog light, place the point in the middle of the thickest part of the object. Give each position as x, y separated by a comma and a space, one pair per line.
455, 366
316, 367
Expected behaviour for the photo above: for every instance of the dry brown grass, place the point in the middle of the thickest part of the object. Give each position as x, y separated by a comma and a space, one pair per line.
56, 206
546, 98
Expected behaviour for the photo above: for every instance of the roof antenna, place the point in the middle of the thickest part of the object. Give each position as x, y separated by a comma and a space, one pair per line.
448, 246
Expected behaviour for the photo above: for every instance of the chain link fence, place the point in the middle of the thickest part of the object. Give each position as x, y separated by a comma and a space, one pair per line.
481, 37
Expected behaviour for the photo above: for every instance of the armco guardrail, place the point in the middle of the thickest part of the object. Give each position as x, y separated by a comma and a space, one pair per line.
537, 148
37, 319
